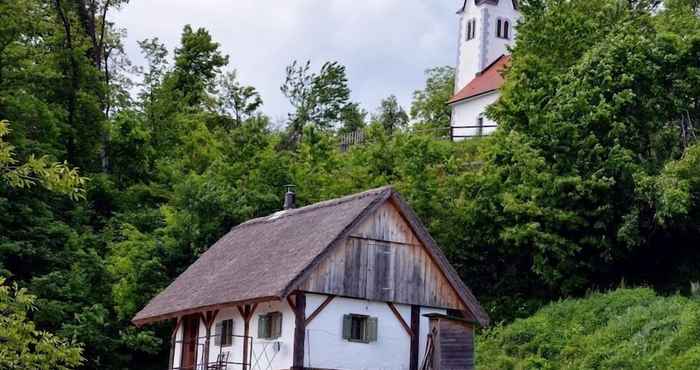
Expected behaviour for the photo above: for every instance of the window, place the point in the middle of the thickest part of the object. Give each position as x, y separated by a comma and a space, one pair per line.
471, 29
224, 333
503, 29
270, 325
480, 125
359, 328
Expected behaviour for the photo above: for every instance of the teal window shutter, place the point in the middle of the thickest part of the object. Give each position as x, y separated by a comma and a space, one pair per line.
371, 329
347, 326
277, 327
263, 326
218, 333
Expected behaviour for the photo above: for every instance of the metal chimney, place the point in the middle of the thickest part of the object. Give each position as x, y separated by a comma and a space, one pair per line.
290, 197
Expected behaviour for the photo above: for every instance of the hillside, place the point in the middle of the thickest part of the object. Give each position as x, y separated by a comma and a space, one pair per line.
624, 329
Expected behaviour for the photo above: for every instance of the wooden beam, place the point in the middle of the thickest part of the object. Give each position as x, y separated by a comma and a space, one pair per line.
400, 318
208, 322
290, 301
318, 310
247, 312
299, 331
415, 338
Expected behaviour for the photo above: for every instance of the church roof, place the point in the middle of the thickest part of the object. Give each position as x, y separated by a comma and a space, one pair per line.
493, 2
266, 258
486, 81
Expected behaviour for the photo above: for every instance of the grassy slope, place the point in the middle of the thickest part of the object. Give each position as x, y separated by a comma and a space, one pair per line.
624, 329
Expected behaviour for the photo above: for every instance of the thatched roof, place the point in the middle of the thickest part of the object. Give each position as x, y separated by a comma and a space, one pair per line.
266, 258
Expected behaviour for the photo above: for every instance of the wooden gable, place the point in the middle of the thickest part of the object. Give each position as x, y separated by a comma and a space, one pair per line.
382, 259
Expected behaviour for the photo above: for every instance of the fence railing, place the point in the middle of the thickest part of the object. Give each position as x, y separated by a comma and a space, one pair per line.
479, 131
195, 354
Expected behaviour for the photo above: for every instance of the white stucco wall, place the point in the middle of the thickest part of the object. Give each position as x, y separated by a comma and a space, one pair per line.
263, 352
475, 55
466, 113
326, 348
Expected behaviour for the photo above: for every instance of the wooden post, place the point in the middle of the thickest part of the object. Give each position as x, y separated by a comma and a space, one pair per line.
299, 331
415, 337
246, 312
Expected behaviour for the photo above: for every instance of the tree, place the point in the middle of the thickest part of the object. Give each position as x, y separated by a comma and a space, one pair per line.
429, 108
54, 176
320, 99
22, 346
390, 115
237, 100
197, 63
585, 130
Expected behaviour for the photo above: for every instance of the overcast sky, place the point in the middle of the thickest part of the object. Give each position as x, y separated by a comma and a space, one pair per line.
385, 44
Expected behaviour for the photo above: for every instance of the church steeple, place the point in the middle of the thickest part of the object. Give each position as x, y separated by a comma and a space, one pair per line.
486, 31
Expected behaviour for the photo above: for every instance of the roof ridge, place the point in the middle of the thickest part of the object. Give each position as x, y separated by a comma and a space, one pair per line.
314, 206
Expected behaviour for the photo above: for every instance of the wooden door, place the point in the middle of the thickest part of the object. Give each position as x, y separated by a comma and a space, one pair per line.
190, 329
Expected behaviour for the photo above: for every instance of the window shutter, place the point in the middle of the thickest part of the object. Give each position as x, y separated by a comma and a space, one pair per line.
218, 332
371, 329
263, 326
347, 326
230, 333
276, 325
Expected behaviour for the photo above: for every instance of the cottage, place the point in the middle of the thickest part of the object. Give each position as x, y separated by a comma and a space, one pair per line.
351, 283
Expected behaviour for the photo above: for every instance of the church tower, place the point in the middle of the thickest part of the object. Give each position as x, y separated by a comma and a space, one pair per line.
486, 30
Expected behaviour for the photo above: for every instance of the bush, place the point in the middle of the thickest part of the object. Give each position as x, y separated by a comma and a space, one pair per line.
624, 329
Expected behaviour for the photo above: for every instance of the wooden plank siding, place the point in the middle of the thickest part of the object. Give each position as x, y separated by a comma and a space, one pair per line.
383, 260
456, 342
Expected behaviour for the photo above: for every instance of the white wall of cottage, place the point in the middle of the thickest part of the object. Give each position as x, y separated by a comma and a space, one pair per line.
324, 346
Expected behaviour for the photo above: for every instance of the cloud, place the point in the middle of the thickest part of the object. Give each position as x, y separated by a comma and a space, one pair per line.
385, 44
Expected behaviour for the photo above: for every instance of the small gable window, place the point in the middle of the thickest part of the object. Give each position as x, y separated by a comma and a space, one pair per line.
270, 325
359, 328
506, 30
224, 333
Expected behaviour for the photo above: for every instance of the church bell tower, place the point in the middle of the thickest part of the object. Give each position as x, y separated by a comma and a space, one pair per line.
487, 28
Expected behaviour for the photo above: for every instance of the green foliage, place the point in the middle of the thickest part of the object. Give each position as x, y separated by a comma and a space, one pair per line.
321, 99
587, 129
54, 176
624, 329
390, 115
22, 345
429, 108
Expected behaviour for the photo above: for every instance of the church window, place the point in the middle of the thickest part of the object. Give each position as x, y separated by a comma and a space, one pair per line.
471, 29
503, 29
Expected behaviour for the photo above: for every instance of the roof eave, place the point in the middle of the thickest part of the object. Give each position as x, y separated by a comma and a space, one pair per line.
175, 314
472, 97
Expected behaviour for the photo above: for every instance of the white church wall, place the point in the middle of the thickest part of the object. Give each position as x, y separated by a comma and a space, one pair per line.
467, 112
